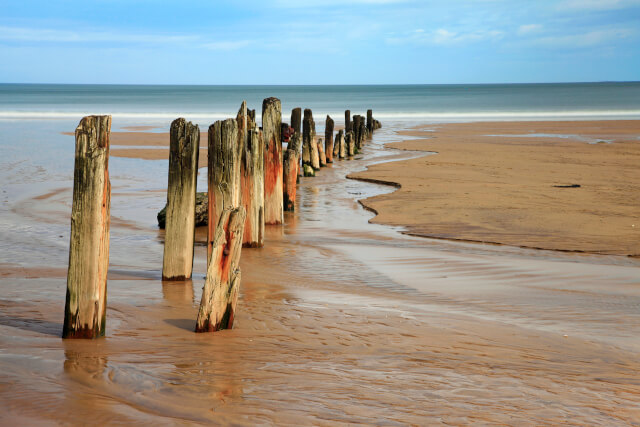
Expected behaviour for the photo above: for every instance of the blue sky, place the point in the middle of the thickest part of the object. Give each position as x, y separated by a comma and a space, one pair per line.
319, 41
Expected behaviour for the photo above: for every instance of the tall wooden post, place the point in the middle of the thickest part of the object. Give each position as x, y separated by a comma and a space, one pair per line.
224, 173
251, 178
184, 145
86, 302
328, 139
271, 120
370, 121
347, 121
222, 284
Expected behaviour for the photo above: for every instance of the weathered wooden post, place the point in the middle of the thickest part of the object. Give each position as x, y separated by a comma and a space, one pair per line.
221, 286
86, 302
356, 130
180, 228
310, 154
224, 173
370, 121
290, 166
271, 120
295, 144
252, 181
328, 139
362, 133
340, 148
347, 121
322, 158
296, 115
350, 143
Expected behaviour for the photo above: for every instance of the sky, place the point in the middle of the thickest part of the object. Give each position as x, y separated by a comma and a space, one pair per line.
319, 41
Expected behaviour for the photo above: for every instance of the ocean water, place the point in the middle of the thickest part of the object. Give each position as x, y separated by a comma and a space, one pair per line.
204, 104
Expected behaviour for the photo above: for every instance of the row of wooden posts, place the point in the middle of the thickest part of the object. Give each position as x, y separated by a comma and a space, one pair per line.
251, 182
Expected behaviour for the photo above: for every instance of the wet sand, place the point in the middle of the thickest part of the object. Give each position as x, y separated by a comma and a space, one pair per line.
515, 183
339, 322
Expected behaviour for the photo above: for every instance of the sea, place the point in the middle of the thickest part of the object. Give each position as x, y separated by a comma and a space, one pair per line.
204, 104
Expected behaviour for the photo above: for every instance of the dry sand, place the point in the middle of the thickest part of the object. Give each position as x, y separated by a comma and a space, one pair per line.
505, 189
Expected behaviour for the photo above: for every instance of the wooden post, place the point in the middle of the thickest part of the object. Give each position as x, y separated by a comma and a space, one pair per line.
224, 173
252, 180
310, 154
86, 302
295, 144
322, 158
370, 121
271, 119
296, 115
221, 286
356, 129
362, 133
340, 148
350, 143
184, 146
328, 139
290, 166
347, 121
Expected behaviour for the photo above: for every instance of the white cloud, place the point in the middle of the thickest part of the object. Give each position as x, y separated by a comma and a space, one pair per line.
442, 36
529, 29
227, 45
21, 34
597, 4
593, 38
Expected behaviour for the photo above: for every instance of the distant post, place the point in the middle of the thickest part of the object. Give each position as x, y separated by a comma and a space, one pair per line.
310, 153
221, 286
290, 177
86, 301
328, 139
350, 143
224, 173
271, 123
340, 148
370, 121
347, 121
184, 145
296, 119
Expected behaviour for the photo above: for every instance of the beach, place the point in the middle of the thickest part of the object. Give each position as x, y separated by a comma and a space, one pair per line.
568, 186
342, 321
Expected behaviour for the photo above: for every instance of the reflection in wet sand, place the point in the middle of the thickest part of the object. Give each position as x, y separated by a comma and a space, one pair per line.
339, 322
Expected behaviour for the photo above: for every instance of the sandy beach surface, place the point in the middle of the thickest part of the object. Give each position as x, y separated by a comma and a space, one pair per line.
572, 186
341, 321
